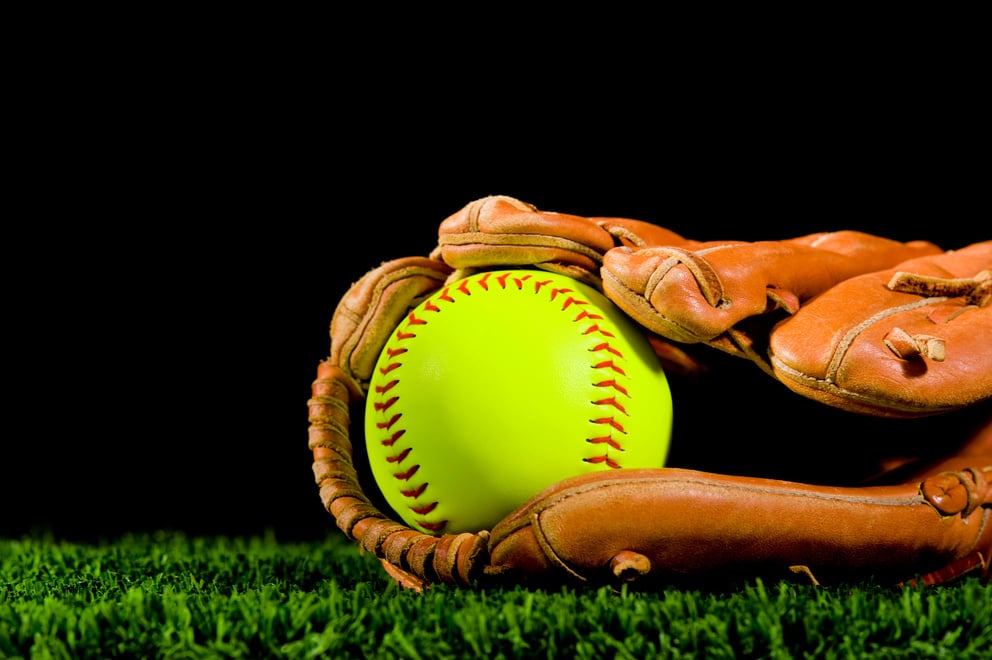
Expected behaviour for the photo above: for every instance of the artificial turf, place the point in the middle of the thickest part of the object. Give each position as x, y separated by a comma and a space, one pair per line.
169, 595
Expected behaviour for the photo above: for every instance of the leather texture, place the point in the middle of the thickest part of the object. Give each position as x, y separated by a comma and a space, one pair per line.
871, 327
727, 294
906, 341
672, 524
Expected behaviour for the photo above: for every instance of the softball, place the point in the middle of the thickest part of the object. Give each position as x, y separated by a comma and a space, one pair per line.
501, 384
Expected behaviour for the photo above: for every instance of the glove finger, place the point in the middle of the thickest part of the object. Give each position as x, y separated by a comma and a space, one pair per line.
500, 231
908, 341
671, 524
373, 307
360, 327
703, 294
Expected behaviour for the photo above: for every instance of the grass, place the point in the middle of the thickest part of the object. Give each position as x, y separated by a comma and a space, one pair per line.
166, 595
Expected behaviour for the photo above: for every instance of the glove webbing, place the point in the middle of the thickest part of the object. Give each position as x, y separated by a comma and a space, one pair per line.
451, 558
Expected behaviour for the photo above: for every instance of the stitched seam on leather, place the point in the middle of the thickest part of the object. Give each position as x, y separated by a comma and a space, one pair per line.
854, 496
844, 344
548, 549
644, 313
833, 389
519, 240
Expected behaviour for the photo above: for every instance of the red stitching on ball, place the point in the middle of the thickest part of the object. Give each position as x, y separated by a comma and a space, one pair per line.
389, 424
606, 346
598, 330
405, 476
382, 389
609, 364
398, 458
519, 281
434, 527
586, 314
614, 384
389, 367
611, 401
414, 492
391, 440
385, 405
403, 334
572, 300
605, 439
609, 421
483, 281
425, 509
602, 459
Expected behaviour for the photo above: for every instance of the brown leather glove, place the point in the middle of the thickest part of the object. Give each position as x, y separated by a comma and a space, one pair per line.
929, 519
506, 231
907, 341
675, 524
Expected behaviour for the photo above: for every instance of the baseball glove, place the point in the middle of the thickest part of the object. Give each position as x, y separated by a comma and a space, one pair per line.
890, 480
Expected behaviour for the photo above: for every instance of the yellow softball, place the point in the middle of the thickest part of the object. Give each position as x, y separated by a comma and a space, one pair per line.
501, 384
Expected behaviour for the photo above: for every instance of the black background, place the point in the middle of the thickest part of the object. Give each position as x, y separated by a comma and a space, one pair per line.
177, 250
